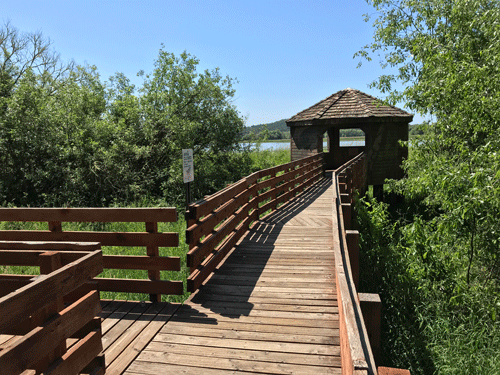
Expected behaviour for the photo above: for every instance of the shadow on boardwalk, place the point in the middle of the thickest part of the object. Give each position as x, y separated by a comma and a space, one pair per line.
229, 290
271, 307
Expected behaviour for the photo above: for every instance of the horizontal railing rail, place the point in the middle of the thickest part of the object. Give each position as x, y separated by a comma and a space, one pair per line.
356, 352
34, 314
359, 313
217, 222
151, 239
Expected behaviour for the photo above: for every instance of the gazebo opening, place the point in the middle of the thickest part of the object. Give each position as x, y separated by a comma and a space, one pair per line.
352, 137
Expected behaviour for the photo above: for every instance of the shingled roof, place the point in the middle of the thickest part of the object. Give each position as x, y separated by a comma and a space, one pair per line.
348, 106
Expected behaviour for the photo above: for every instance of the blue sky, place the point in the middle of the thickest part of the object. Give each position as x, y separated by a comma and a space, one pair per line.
286, 55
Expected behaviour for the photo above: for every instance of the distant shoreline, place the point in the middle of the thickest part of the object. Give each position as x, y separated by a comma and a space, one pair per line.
342, 139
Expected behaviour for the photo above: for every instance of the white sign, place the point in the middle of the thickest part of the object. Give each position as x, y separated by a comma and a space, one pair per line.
187, 165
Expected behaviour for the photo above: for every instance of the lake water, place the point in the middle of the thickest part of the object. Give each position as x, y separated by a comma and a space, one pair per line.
281, 145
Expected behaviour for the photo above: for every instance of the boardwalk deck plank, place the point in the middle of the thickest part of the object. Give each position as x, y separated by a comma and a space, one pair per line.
230, 364
247, 354
271, 307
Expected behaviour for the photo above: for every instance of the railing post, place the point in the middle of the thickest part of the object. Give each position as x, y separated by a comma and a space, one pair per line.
371, 308
352, 237
349, 181
49, 262
392, 371
153, 251
346, 213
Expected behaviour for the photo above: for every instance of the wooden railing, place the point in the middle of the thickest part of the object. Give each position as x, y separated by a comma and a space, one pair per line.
151, 239
356, 352
359, 313
217, 223
32, 310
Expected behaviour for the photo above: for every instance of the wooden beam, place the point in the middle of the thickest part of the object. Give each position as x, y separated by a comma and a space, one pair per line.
32, 348
371, 307
17, 305
352, 237
105, 238
141, 286
89, 214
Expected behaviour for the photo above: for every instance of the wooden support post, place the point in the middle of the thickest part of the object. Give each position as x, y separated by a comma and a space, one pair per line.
371, 308
349, 181
346, 213
153, 251
392, 371
352, 237
55, 226
190, 220
378, 192
49, 262
345, 198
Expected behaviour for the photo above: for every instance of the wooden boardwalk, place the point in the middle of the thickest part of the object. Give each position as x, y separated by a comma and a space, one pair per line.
271, 307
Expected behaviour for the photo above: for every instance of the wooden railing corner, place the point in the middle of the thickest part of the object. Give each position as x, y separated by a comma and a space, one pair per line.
36, 311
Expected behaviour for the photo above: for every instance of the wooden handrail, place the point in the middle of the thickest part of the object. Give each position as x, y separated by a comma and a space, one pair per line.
151, 238
36, 312
217, 222
356, 353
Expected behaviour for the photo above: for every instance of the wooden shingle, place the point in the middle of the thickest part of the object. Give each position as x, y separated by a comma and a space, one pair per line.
349, 104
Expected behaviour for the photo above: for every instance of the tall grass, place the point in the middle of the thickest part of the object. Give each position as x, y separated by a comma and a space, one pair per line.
263, 159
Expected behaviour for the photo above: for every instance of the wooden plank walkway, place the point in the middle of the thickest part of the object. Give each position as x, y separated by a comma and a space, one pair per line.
271, 307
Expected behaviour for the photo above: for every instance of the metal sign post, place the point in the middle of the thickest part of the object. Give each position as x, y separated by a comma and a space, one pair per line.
188, 173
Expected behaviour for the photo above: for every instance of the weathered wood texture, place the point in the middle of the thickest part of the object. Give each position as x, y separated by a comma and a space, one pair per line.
127, 327
270, 307
35, 323
218, 222
151, 239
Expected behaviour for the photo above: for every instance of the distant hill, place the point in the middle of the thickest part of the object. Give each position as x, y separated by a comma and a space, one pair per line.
277, 125
279, 130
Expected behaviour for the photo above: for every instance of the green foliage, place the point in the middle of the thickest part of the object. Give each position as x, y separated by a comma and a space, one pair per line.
417, 130
446, 55
272, 126
263, 159
68, 139
433, 321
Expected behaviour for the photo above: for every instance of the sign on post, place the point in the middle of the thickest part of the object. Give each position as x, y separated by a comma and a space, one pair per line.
187, 165
188, 173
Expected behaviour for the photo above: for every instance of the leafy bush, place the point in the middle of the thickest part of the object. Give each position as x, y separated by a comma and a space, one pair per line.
68, 139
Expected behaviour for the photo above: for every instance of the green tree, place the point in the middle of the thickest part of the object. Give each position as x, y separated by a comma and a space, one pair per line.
446, 56
183, 108
23, 51
67, 138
